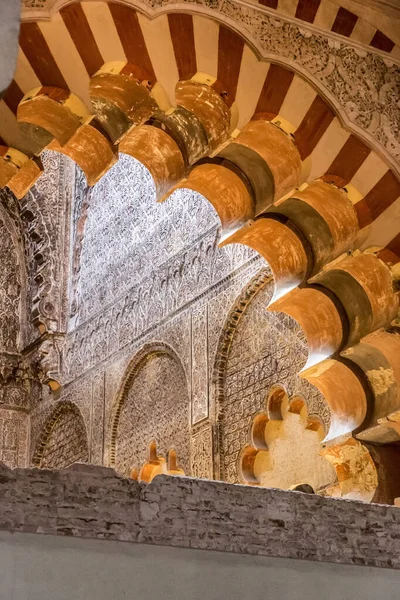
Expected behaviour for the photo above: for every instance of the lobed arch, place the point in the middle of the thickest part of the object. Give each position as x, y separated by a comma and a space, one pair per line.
283, 430
141, 359
316, 224
348, 148
269, 458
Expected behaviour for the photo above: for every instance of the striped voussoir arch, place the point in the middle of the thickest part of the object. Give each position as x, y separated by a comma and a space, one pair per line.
68, 50
189, 99
331, 16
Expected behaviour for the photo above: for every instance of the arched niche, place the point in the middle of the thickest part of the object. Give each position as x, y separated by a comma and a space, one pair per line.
257, 350
64, 439
152, 405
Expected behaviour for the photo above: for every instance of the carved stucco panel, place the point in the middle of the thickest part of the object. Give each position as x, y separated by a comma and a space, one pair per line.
128, 230
14, 394
219, 307
202, 453
14, 435
67, 442
97, 423
153, 406
199, 363
185, 277
79, 394
45, 222
10, 288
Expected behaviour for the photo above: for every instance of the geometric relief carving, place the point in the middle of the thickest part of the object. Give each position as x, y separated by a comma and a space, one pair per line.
258, 349
10, 290
14, 395
199, 364
13, 437
63, 440
202, 453
133, 276
152, 406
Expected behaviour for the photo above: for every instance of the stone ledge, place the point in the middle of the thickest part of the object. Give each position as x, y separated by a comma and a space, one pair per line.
95, 502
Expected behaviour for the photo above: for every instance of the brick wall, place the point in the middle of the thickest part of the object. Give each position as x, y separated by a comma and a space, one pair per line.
94, 502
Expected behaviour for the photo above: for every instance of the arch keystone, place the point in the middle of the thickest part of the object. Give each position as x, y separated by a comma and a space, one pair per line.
363, 284
121, 96
225, 190
278, 151
90, 149
343, 393
206, 104
326, 217
378, 356
319, 318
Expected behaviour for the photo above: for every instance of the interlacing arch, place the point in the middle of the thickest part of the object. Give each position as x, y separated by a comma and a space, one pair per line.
274, 182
